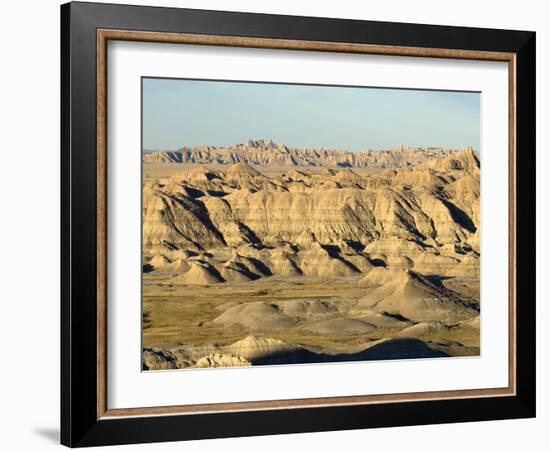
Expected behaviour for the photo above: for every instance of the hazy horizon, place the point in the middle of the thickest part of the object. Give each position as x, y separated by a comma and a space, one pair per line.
366, 149
187, 113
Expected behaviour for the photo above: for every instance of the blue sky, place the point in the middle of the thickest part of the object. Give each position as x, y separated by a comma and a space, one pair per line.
178, 113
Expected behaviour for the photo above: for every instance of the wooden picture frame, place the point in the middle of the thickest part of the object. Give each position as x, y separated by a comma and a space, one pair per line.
86, 418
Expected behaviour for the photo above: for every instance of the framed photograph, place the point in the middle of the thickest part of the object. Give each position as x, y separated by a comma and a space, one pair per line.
276, 224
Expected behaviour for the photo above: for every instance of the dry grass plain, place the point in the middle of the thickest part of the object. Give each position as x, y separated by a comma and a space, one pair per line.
183, 315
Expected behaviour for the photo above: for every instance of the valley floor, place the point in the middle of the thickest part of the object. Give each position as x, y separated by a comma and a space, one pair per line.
280, 320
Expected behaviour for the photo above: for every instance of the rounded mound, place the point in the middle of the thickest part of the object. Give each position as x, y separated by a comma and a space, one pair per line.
339, 326
305, 308
255, 316
242, 170
423, 329
159, 261
253, 347
412, 296
200, 273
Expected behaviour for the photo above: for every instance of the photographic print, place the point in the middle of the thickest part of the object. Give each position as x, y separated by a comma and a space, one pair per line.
294, 224
272, 224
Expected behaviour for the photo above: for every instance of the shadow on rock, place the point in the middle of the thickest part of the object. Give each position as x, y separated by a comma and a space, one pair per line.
387, 350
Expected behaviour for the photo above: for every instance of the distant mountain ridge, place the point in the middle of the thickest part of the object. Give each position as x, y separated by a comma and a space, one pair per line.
267, 153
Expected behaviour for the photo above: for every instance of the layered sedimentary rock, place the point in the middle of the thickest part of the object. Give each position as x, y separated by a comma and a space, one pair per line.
268, 153
244, 224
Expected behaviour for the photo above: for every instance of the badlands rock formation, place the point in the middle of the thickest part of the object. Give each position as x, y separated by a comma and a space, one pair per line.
399, 247
268, 153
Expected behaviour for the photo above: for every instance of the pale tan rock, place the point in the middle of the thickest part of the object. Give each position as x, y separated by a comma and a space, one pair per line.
416, 178
179, 265
221, 360
176, 220
242, 171
158, 360
283, 264
412, 296
466, 160
317, 261
424, 217
268, 153
304, 309
382, 320
399, 262
298, 175
467, 267
254, 347
159, 261
199, 273
429, 263
348, 176
237, 270
255, 316
472, 323
423, 329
